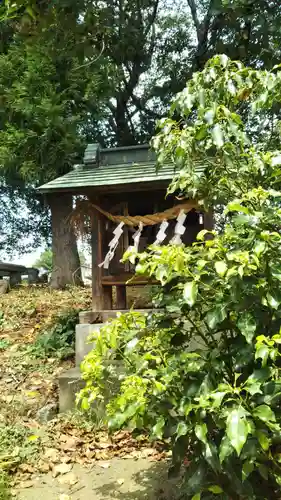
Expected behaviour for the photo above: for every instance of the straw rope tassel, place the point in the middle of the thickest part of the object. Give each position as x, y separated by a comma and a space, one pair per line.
179, 229
112, 246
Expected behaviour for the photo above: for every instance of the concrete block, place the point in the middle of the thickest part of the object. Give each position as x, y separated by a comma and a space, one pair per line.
82, 346
70, 383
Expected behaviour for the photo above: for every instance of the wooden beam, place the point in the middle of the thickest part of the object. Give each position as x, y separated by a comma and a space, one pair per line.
127, 279
97, 257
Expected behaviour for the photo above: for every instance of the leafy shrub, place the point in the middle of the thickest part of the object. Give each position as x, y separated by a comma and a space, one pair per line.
59, 339
4, 487
17, 445
205, 373
4, 344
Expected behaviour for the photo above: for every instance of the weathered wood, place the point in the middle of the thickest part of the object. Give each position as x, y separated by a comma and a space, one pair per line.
126, 279
126, 236
15, 278
6, 269
107, 297
97, 257
121, 297
209, 221
33, 275
209, 224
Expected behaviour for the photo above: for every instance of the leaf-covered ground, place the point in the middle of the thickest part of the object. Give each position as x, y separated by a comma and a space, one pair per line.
28, 383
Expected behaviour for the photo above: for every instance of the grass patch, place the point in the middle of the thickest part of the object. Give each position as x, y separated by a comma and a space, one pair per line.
17, 445
4, 487
58, 340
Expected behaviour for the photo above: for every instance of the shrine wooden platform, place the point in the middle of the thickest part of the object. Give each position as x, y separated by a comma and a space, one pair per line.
121, 282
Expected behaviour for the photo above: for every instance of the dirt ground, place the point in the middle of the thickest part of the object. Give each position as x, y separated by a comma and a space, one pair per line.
69, 457
124, 479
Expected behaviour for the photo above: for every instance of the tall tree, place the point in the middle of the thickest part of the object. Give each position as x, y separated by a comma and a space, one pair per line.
46, 88
91, 71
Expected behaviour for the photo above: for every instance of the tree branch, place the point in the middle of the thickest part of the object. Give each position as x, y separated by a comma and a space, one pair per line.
193, 11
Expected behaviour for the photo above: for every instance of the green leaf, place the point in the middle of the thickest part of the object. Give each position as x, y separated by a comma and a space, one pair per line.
190, 292
215, 316
201, 133
221, 267
211, 456
275, 271
218, 136
263, 470
209, 116
260, 248
264, 413
263, 440
262, 353
201, 432
253, 386
197, 476
223, 60
237, 207
158, 428
247, 326
272, 301
217, 398
215, 489
196, 497
237, 428
182, 429
247, 468
226, 449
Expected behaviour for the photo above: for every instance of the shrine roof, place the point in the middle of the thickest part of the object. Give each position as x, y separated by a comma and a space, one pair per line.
112, 168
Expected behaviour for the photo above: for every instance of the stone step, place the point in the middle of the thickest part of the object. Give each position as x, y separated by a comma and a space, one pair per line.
70, 383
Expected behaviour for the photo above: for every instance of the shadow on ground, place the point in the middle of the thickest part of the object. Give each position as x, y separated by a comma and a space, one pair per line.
121, 479
150, 483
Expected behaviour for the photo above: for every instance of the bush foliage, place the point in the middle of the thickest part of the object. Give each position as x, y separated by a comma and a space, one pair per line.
203, 371
58, 339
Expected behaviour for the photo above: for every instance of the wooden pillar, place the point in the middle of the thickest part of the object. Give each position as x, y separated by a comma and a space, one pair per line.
208, 221
15, 278
126, 239
121, 297
107, 297
97, 258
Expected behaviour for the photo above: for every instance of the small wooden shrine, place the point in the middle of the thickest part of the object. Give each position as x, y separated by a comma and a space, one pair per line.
121, 196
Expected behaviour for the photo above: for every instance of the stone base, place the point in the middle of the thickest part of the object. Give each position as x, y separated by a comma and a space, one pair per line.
70, 383
82, 346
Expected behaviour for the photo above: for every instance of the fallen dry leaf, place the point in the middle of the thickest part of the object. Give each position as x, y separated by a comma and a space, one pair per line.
104, 465
101, 455
120, 481
64, 497
26, 468
26, 484
43, 466
52, 454
61, 469
68, 479
70, 444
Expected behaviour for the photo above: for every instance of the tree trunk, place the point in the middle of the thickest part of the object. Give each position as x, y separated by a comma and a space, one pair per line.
66, 263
